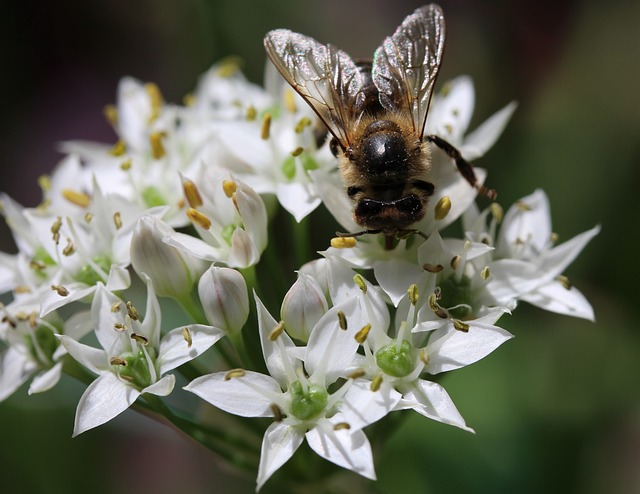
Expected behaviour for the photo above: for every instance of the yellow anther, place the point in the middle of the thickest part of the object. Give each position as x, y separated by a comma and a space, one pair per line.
564, 281
118, 361
44, 181
432, 268
297, 151
341, 426
342, 320
69, 249
157, 148
143, 340
118, 149
343, 242
361, 335
497, 212
251, 113
435, 306
460, 326
115, 307
132, 312
189, 99
277, 331
413, 294
117, 220
199, 218
110, 112
125, 165
192, 194
62, 291
455, 261
357, 374
266, 127
522, 206
303, 123
228, 66
229, 187
186, 334
119, 327
376, 383
155, 96
234, 373
485, 273
360, 282
78, 198
424, 356
442, 208
88, 217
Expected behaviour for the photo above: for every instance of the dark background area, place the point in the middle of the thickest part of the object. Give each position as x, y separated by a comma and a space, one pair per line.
557, 409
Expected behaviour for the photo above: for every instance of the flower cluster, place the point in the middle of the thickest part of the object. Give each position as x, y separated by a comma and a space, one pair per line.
181, 205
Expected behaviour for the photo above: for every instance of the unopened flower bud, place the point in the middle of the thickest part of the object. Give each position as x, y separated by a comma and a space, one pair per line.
302, 307
223, 294
172, 271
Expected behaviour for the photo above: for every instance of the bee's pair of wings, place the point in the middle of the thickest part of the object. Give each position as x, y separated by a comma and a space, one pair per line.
404, 71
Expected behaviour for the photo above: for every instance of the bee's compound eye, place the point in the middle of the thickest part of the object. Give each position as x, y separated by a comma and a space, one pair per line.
367, 207
334, 147
410, 205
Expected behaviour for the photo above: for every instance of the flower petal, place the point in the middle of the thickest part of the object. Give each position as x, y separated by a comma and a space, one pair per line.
163, 387
249, 395
478, 142
104, 399
175, 350
343, 447
431, 400
44, 381
92, 358
555, 297
15, 369
279, 444
449, 349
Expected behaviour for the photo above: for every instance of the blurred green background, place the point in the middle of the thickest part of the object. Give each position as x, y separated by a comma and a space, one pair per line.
555, 410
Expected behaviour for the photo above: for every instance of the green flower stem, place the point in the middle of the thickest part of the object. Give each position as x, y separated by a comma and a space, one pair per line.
301, 240
235, 449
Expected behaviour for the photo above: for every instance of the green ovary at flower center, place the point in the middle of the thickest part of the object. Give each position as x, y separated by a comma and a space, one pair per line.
87, 274
152, 197
136, 370
394, 361
307, 404
456, 297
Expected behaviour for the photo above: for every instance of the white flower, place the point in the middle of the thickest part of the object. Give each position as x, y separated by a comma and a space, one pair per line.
229, 216
32, 350
134, 359
526, 264
275, 150
296, 394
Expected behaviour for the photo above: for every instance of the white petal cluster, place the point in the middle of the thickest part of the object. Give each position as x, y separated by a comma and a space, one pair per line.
185, 205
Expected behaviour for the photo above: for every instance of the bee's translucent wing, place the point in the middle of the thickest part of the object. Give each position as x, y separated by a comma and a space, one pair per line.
324, 76
406, 65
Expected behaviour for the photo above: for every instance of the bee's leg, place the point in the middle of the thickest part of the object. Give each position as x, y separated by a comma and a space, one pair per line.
357, 234
463, 165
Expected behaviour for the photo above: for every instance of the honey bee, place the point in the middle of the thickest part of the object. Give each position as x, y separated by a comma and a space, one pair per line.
376, 111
